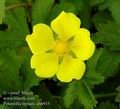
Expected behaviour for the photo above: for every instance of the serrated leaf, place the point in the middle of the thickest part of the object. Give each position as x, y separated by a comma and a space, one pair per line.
78, 4
10, 2
11, 40
58, 8
115, 9
36, 107
92, 62
45, 96
67, 7
108, 35
91, 76
4, 107
40, 10
117, 99
94, 78
2, 10
9, 71
28, 75
16, 19
107, 105
81, 91
96, 2
105, 4
101, 4
102, 17
108, 63
85, 15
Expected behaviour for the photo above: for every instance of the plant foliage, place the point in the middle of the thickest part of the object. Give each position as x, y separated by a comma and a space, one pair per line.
100, 86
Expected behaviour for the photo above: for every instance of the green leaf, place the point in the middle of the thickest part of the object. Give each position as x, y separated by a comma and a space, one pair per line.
28, 75
10, 2
11, 40
108, 63
45, 96
66, 6
92, 62
101, 17
101, 4
96, 2
92, 77
107, 105
78, 4
117, 99
4, 107
16, 20
108, 35
85, 15
2, 10
80, 90
58, 8
40, 10
115, 10
36, 107
105, 4
9, 70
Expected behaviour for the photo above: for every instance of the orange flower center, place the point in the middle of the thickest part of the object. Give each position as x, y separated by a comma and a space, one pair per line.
61, 48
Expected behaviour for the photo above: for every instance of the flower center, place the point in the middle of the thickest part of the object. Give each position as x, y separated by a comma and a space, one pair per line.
61, 48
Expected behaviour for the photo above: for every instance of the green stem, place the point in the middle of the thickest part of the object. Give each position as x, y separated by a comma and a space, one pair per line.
18, 5
106, 95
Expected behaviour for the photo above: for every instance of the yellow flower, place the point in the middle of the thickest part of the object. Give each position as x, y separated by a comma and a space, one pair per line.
61, 49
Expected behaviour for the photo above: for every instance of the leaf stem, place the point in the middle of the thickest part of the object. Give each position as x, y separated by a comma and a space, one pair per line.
18, 5
106, 95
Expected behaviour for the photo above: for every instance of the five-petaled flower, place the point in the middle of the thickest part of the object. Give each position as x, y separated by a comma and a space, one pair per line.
62, 49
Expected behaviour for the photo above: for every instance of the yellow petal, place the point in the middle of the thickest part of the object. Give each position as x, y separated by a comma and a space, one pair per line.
70, 68
46, 65
41, 39
66, 25
82, 46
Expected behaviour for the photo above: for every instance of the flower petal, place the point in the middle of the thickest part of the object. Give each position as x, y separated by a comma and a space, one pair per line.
70, 68
65, 25
41, 39
46, 65
82, 46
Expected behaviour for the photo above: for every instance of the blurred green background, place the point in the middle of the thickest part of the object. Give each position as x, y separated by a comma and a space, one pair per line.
100, 86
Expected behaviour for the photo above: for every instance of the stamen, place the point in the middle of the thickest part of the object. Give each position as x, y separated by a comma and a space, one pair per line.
61, 48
